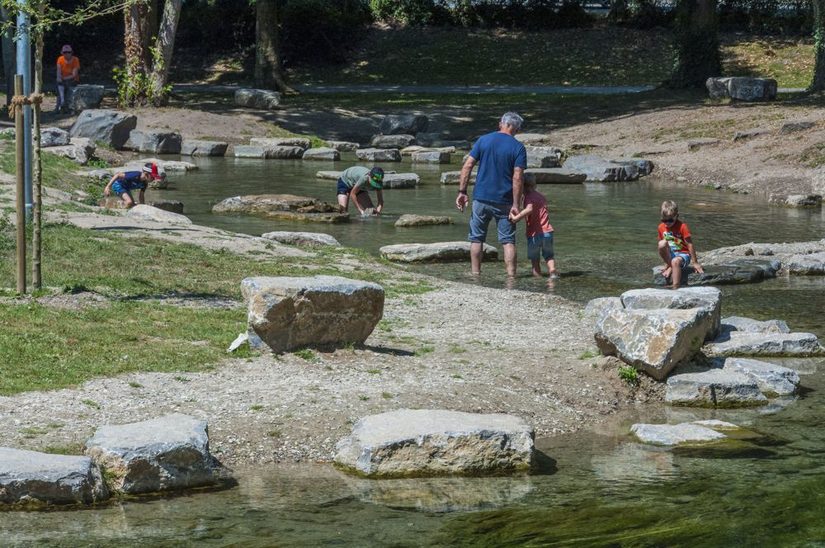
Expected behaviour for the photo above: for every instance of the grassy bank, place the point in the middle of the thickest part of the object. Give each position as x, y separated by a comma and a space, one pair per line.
602, 55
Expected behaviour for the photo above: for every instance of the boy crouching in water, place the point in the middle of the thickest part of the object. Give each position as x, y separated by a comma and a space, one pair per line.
675, 245
124, 183
539, 230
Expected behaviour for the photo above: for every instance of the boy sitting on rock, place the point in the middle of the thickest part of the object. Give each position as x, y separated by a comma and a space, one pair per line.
675, 245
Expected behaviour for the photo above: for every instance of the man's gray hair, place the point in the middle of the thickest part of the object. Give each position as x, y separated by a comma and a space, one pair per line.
512, 119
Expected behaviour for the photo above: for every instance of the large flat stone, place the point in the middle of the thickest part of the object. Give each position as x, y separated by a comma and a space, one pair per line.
162, 454
409, 220
737, 343
343, 146
707, 298
158, 215
440, 252
311, 239
806, 265
267, 142
553, 176
602, 170
378, 154
282, 206
686, 433
321, 153
423, 442
749, 325
654, 341
714, 388
285, 313
31, 479
729, 272
198, 147
772, 379
430, 157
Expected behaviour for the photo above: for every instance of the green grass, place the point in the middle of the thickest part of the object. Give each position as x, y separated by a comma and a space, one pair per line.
58, 172
629, 374
814, 155
43, 348
788, 60
306, 354
413, 55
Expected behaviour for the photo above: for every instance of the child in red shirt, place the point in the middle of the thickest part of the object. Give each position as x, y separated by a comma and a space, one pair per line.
539, 230
675, 244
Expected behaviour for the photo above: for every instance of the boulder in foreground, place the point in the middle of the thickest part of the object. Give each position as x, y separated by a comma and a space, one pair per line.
109, 127
435, 252
424, 442
163, 454
285, 313
32, 479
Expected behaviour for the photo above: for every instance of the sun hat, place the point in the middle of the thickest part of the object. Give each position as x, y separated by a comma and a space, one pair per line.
152, 170
377, 178
66, 49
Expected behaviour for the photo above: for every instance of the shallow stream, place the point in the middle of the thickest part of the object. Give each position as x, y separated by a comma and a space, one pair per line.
599, 487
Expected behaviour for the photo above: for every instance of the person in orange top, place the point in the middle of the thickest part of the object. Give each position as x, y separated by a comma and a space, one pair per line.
675, 244
68, 68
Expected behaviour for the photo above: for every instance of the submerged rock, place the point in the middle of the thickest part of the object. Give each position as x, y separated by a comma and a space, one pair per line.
167, 453
434, 252
676, 434
714, 388
312, 239
286, 313
422, 220
32, 479
731, 272
282, 206
424, 442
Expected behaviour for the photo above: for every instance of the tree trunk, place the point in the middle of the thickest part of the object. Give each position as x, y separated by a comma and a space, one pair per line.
697, 44
818, 81
165, 46
267, 46
37, 175
9, 59
135, 31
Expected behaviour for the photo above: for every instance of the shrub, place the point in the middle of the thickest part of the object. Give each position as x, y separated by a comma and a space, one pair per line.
629, 374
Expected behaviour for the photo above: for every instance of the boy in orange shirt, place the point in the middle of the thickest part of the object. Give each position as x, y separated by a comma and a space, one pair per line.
68, 67
675, 244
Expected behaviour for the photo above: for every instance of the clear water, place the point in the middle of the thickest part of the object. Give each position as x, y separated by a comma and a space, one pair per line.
600, 488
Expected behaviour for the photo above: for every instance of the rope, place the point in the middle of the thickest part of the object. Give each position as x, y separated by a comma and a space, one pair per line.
19, 101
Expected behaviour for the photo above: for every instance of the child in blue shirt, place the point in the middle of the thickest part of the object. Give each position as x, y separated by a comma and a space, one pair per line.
125, 182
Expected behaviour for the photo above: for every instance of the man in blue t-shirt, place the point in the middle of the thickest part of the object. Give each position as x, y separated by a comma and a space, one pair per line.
501, 163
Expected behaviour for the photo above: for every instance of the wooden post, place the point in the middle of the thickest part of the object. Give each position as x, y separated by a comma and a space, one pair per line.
21, 190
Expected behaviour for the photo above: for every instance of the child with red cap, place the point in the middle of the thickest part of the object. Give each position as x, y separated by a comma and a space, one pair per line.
125, 182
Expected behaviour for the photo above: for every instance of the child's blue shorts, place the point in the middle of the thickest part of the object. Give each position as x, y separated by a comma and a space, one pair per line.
125, 186
684, 256
542, 243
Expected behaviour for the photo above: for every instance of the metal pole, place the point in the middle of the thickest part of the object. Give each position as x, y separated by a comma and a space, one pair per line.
21, 203
24, 67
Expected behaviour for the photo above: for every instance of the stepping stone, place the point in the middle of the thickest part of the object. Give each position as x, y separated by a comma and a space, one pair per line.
749, 325
392, 141
422, 220
714, 388
322, 153
285, 313
806, 265
601, 170
440, 252
283, 206
162, 454
197, 147
731, 272
149, 213
268, 142
35, 480
772, 379
675, 434
378, 154
543, 156
706, 298
430, 442
431, 157
653, 341
343, 146
452, 178
311, 239
552, 176
738, 343
401, 180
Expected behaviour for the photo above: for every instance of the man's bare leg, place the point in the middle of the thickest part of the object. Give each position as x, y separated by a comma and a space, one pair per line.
510, 259
476, 253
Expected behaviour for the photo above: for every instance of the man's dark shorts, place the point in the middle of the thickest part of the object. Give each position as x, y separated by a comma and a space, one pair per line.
483, 213
344, 189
